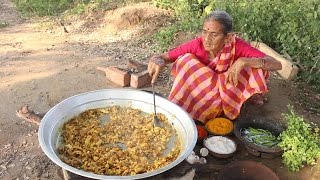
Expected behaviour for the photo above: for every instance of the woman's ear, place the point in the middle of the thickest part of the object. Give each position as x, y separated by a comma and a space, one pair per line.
228, 38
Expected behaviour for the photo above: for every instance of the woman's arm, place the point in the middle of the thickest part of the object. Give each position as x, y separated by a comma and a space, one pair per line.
156, 63
160, 59
266, 63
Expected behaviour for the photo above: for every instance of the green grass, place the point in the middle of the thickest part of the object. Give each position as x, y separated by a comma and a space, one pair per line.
56, 7
165, 36
42, 7
3, 24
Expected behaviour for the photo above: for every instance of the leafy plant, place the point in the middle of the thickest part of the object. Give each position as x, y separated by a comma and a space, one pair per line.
3, 24
165, 36
300, 142
42, 7
56, 7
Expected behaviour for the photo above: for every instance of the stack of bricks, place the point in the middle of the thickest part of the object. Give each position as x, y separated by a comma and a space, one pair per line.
135, 74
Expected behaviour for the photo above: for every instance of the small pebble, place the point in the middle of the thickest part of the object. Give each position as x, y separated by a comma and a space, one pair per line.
204, 152
202, 160
193, 153
24, 142
7, 146
192, 158
46, 175
3, 167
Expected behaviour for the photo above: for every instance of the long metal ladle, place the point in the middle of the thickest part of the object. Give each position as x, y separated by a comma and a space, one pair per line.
155, 117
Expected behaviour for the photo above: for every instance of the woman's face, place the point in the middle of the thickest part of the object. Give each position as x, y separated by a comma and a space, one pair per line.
213, 36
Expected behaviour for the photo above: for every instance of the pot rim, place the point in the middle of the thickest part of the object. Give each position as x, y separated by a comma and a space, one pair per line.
218, 154
48, 126
259, 120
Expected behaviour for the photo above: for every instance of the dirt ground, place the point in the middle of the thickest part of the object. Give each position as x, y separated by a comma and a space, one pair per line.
41, 65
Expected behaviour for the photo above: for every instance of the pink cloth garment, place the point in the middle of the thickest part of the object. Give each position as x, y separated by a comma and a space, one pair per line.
201, 89
195, 47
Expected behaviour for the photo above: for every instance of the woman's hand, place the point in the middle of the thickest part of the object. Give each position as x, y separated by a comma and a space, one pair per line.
234, 71
267, 63
156, 63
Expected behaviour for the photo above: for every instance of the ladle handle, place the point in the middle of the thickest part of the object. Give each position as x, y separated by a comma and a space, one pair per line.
154, 99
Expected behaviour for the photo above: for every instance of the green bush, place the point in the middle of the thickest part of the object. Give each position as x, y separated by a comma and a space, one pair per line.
55, 7
165, 36
300, 142
288, 26
42, 7
3, 24
188, 14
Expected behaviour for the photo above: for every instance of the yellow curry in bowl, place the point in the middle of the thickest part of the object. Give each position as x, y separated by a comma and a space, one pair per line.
219, 126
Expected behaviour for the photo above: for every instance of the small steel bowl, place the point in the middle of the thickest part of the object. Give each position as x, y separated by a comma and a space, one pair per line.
220, 155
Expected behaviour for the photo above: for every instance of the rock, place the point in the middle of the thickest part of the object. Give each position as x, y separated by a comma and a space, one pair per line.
23, 143
116, 75
204, 152
3, 167
140, 79
46, 175
202, 160
7, 146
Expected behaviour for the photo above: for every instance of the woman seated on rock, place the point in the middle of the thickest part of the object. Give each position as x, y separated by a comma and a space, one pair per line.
216, 73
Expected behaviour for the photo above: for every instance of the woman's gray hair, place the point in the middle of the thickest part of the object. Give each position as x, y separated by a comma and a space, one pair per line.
223, 18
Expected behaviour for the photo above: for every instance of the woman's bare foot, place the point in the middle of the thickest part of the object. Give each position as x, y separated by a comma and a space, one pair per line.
28, 115
257, 100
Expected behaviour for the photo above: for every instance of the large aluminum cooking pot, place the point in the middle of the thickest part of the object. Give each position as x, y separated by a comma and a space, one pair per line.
52, 122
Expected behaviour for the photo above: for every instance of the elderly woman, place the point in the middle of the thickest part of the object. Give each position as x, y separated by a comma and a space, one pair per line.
216, 73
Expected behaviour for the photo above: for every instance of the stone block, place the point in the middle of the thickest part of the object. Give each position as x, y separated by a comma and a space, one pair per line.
116, 75
140, 79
